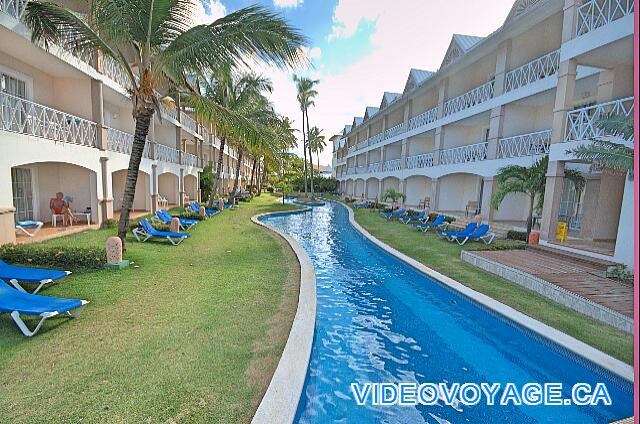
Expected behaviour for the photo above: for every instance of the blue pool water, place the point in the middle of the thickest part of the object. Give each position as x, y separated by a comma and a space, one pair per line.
379, 320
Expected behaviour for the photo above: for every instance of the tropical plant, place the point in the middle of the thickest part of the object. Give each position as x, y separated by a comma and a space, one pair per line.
530, 181
305, 96
394, 196
317, 143
604, 152
156, 46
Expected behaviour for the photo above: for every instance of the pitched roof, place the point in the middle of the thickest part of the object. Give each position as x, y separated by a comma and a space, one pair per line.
459, 46
346, 130
388, 98
370, 111
415, 78
357, 120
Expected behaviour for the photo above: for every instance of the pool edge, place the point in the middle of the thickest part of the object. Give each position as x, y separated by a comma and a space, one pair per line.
570, 343
280, 401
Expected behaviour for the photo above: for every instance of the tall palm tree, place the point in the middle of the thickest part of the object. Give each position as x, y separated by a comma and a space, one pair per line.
605, 152
305, 96
154, 43
317, 143
530, 181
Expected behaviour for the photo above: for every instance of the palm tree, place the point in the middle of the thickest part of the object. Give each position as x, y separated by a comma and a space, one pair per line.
605, 153
154, 43
530, 181
394, 196
317, 142
305, 96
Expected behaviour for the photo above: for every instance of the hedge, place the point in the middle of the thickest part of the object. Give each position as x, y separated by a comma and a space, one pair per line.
56, 257
517, 235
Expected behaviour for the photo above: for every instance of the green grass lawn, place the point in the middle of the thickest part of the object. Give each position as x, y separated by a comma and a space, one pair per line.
187, 334
444, 257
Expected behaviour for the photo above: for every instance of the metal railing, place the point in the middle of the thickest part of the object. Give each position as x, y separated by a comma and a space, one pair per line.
189, 123
391, 165
424, 118
362, 144
539, 68
26, 117
190, 159
167, 154
469, 153
14, 8
535, 143
469, 99
376, 138
122, 142
424, 160
168, 112
113, 70
598, 13
361, 169
351, 149
582, 124
373, 167
395, 130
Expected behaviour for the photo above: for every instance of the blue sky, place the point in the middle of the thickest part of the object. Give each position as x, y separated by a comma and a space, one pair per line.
361, 48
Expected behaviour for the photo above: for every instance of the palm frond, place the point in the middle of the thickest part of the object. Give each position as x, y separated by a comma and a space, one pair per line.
606, 154
617, 124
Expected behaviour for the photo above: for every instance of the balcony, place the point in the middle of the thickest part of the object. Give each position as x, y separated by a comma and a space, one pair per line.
373, 167
376, 138
469, 99
582, 124
14, 8
362, 144
167, 154
463, 154
122, 142
352, 149
361, 169
189, 123
540, 68
23, 116
395, 130
535, 143
351, 171
391, 165
190, 160
598, 13
419, 161
424, 118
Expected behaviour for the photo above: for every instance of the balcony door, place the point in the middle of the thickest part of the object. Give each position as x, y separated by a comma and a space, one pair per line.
13, 116
22, 186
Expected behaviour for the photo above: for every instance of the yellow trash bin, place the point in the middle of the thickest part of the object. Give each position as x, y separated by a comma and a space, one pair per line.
562, 231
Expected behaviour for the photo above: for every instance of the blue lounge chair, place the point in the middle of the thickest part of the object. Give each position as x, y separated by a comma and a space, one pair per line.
481, 233
438, 222
29, 228
452, 235
18, 303
361, 204
165, 217
16, 274
145, 231
421, 217
390, 215
195, 207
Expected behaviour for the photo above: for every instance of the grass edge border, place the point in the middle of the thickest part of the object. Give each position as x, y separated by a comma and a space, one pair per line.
280, 401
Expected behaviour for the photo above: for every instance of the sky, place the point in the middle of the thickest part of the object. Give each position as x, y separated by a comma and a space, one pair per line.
362, 48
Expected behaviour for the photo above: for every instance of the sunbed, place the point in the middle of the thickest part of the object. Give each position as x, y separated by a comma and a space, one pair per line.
361, 204
421, 217
165, 217
481, 233
452, 235
438, 222
19, 303
195, 207
29, 228
16, 274
145, 231
397, 214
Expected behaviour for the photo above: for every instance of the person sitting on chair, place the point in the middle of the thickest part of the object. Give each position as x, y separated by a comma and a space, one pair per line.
60, 206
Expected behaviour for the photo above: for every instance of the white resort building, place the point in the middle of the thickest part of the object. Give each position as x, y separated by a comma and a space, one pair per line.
66, 126
534, 87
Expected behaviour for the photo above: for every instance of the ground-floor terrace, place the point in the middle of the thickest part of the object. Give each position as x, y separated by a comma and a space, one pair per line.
91, 180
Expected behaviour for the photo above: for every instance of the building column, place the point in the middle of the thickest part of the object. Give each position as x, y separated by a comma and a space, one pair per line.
106, 203
569, 19
564, 98
380, 192
488, 188
97, 113
605, 86
403, 152
154, 187
437, 146
443, 93
496, 122
552, 197
181, 187
435, 193
7, 225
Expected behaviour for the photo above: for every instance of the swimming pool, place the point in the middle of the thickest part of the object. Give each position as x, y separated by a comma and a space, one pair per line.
379, 320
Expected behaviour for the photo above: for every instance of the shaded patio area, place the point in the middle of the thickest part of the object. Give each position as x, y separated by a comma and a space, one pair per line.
48, 232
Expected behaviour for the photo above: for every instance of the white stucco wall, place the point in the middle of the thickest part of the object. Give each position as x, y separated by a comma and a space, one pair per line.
624, 240
456, 190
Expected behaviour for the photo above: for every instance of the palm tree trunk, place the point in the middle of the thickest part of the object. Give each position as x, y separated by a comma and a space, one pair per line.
253, 173
530, 217
260, 178
237, 181
304, 151
309, 141
143, 120
216, 180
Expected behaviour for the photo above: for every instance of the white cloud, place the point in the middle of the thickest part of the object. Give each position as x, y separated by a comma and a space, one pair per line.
287, 3
213, 10
313, 53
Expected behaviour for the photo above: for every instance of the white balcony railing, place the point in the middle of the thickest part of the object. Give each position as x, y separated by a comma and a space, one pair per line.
582, 124
169, 112
361, 169
26, 117
190, 159
535, 143
376, 138
423, 119
351, 171
395, 130
391, 165
14, 8
598, 13
374, 167
114, 71
352, 149
189, 123
419, 161
469, 99
122, 142
362, 144
167, 154
470, 153
540, 68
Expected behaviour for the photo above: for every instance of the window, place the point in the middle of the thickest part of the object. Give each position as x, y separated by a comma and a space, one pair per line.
13, 115
22, 193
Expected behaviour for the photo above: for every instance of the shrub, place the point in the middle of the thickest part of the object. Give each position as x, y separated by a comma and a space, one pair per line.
497, 245
517, 235
56, 257
447, 218
110, 223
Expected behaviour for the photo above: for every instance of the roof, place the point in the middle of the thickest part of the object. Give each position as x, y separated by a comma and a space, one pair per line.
415, 78
357, 120
346, 130
460, 44
388, 98
370, 111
